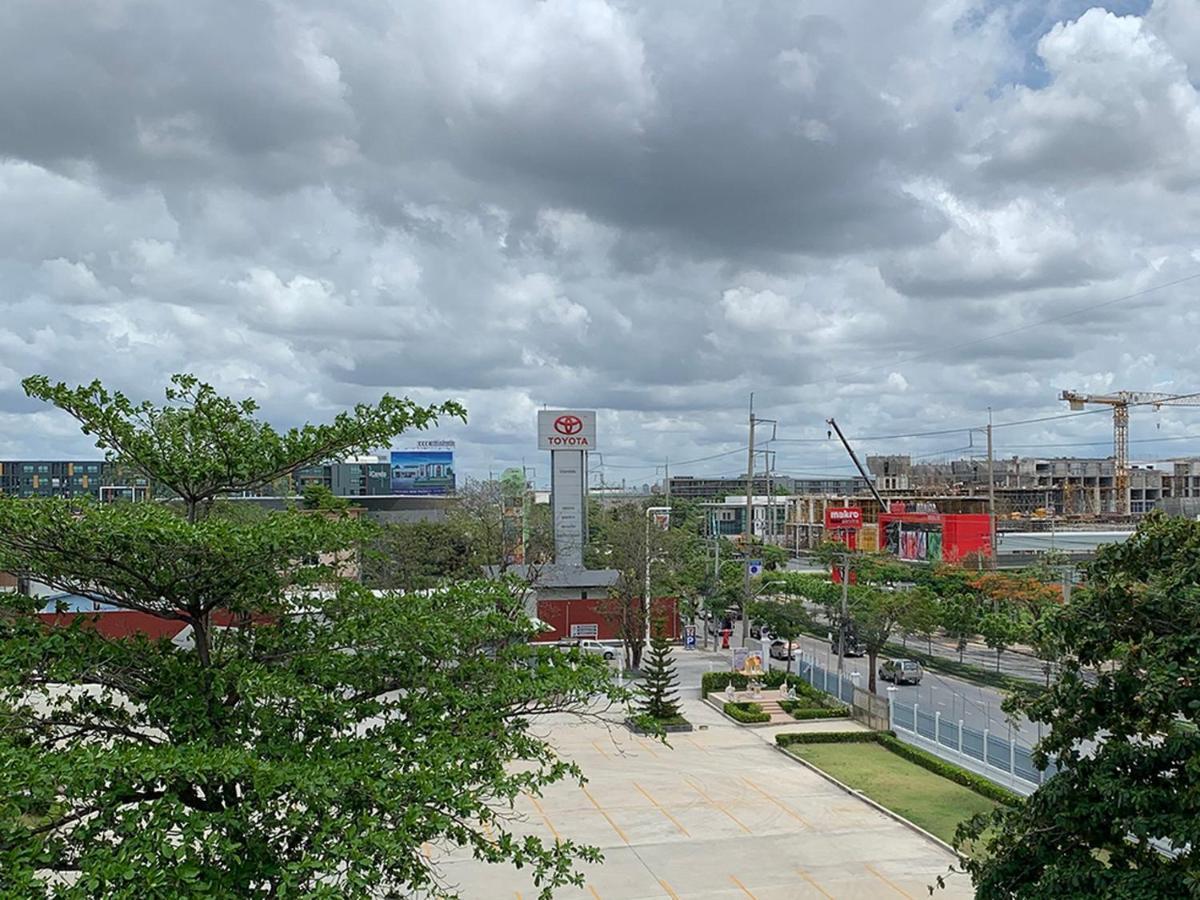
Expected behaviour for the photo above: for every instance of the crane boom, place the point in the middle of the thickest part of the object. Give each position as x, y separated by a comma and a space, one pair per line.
1120, 401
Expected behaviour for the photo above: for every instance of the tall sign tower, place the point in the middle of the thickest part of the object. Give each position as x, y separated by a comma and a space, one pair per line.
569, 435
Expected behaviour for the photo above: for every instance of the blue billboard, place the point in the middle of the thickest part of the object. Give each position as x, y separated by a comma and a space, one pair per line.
422, 471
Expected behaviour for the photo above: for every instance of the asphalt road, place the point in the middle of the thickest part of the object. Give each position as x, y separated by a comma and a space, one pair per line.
978, 707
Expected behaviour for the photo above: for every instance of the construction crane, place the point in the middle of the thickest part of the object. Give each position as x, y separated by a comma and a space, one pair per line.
1120, 401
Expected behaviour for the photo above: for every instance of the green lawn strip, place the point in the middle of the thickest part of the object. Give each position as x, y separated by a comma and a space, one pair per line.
928, 800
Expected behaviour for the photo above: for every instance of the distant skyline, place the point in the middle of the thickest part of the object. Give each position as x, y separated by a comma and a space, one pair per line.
899, 214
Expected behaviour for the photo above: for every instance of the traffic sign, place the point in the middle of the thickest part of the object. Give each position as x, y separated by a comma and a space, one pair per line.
756, 567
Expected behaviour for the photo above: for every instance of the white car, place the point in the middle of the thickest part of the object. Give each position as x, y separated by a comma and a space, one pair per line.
784, 649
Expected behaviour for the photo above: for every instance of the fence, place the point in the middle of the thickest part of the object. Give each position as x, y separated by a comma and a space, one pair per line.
1007, 762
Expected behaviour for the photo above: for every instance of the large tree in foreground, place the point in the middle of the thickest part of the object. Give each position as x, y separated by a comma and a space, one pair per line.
1127, 742
303, 737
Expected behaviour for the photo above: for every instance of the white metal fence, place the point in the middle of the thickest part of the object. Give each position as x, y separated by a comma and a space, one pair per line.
1008, 762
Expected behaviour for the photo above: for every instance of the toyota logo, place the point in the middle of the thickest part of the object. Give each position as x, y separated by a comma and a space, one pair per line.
568, 425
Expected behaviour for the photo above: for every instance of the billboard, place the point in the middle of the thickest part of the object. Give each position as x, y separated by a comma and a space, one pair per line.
422, 471
566, 429
843, 517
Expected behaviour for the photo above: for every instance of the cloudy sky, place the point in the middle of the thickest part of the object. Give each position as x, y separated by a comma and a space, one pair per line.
899, 214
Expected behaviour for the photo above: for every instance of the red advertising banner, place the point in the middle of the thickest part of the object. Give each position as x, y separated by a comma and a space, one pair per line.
845, 517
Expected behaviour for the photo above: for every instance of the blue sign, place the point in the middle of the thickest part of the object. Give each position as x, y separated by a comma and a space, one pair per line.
756, 568
689, 637
422, 472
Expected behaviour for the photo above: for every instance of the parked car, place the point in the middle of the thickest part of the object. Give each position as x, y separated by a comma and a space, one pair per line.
759, 631
901, 671
784, 649
586, 645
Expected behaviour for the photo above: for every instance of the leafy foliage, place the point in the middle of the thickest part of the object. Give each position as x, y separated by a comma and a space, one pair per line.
200, 445
747, 713
411, 556
1126, 744
303, 735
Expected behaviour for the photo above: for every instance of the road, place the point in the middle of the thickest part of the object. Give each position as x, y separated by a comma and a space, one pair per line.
978, 707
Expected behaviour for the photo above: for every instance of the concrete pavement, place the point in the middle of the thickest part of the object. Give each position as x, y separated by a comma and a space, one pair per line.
719, 814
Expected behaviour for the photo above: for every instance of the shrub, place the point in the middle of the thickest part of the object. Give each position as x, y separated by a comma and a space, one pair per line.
939, 766
801, 709
827, 737
718, 681
747, 713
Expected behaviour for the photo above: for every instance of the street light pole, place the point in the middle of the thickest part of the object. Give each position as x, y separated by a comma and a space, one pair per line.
646, 599
842, 618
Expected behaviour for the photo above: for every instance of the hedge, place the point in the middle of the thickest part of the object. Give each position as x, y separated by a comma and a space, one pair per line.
827, 737
915, 755
820, 713
748, 713
711, 682
939, 766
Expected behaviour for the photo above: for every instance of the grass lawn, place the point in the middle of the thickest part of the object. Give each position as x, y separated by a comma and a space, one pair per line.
935, 803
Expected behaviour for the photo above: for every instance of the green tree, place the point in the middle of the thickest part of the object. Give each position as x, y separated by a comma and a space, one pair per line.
620, 540
412, 556
1001, 629
1125, 740
785, 618
659, 689
317, 496
876, 615
304, 736
959, 615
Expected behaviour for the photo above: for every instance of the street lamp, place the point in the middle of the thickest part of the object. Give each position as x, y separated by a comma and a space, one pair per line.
650, 510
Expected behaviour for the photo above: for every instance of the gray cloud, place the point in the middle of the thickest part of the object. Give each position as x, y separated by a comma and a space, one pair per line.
653, 209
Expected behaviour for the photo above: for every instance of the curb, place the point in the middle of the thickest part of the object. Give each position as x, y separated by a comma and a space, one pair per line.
891, 814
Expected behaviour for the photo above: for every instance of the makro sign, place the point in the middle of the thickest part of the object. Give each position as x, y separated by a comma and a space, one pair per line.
843, 517
566, 429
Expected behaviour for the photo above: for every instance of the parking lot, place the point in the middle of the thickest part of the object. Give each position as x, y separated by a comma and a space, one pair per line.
719, 814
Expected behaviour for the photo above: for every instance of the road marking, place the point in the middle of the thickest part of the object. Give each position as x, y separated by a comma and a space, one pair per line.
895, 887
795, 815
600, 750
594, 892
647, 747
809, 879
670, 890
600, 809
696, 743
545, 818
739, 822
662, 809
745, 890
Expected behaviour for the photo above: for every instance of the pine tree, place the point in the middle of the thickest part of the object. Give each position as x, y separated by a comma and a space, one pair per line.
659, 689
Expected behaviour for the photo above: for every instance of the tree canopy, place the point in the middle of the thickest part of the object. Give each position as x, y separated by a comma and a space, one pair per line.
301, 735
1126, 741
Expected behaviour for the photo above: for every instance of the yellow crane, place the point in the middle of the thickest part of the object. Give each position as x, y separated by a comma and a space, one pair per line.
1120, 401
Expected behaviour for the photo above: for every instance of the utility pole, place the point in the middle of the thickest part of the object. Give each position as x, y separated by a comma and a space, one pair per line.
991, 492
667, 478
842, 618
748, 531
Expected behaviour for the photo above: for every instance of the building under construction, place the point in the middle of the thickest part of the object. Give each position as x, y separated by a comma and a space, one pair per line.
1036, 487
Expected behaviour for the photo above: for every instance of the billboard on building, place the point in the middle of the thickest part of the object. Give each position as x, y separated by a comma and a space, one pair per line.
422, 471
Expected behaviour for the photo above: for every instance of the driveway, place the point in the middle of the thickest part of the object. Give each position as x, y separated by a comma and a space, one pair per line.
718, 814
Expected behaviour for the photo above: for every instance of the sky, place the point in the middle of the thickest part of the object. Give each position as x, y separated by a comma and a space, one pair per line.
898, 214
